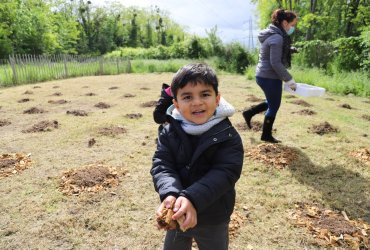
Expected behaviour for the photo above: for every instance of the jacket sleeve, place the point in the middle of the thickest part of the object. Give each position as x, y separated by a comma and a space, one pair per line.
226, 170
276, 51
159, 113
165, 177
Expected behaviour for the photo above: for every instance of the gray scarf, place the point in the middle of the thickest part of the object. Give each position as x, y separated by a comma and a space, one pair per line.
223, 111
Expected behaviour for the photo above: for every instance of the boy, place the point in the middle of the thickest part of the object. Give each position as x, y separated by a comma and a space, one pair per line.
198, 160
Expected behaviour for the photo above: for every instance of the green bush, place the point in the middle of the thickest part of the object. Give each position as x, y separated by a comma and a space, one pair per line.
235, 59
352, 54
314, 53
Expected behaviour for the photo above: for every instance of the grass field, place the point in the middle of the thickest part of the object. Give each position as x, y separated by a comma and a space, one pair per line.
311, 169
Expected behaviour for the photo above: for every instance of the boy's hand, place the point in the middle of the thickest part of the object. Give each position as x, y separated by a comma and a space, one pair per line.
167, 203
184, 207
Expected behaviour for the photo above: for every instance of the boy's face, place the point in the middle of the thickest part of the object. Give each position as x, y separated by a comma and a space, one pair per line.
197, 103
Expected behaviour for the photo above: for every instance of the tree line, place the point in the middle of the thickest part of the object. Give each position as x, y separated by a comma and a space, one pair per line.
80, 27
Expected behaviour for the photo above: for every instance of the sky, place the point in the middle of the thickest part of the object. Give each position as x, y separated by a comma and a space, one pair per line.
232, 17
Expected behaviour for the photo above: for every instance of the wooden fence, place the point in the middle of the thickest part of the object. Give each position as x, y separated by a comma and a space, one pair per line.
20, 69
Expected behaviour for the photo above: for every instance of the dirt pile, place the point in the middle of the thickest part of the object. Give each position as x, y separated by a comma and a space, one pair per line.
57, 94
362, 155
102, 105
11, 164
4, 122
90, 178
305, 112
24, 100
134, 116
58, 101
28, 92
236, 221
346, 106
76, 112
43, 126
301, 103
90, 94
323, 128
253, 98
112, 131
128, 95
114, 87
276, 155
366, 117
149, 104
330, 228
34, 110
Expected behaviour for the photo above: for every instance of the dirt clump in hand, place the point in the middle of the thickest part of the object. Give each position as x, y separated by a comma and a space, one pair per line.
166, 222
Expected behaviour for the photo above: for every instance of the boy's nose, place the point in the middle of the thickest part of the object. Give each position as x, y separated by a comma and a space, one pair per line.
197, 101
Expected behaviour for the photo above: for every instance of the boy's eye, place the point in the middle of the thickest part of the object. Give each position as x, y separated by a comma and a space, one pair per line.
206, 94
188, 97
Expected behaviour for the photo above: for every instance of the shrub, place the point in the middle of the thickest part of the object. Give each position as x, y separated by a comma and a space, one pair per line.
235, 59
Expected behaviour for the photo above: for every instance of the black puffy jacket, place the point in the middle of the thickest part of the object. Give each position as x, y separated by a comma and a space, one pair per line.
206, 175
159, 113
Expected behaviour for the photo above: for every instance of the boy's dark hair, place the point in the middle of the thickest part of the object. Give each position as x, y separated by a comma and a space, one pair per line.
194, 73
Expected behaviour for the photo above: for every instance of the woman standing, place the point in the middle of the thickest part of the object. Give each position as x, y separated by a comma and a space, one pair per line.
274, 59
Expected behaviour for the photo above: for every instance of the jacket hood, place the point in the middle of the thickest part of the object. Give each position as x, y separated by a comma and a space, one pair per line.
269, 31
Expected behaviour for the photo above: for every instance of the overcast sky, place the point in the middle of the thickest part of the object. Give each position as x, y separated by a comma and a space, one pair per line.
232, 17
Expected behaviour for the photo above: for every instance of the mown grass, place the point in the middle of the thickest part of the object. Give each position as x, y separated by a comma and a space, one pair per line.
35, 215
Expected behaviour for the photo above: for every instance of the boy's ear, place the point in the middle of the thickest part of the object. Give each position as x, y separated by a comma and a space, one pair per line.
218, 97
175, 103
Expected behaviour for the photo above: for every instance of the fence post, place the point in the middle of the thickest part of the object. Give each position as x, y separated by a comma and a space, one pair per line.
128, 66
12, 64
101, 65
65, 66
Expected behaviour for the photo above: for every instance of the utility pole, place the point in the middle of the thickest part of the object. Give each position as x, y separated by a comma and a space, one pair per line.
250, 35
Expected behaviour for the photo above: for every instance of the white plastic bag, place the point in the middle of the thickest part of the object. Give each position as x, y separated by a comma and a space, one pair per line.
305, 90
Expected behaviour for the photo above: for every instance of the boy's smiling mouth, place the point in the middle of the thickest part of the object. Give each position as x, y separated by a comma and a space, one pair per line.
198, 112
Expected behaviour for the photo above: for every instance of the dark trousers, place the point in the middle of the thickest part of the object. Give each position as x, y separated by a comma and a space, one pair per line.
211, 237
273, 89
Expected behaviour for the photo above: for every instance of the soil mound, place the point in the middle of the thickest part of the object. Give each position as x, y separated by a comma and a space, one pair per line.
56, 87
305, 112
114, 87
91, 142
346, 106
90, 178
36, 87
102, 105
253, 98
134, 116
57, 94
112, 131
323, 128
28, 92
4, 122
57, 101
278, 156
236, 221
128, 95
145, 88
362, 155
301, 103
34, 110
329, 99
24, 100
366, 117
90, 94
43, 126
77, 112
149, 104
330, 228
11, 164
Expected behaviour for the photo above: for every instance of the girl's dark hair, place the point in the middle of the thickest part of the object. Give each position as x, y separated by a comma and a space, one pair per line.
194, 74
279, 15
